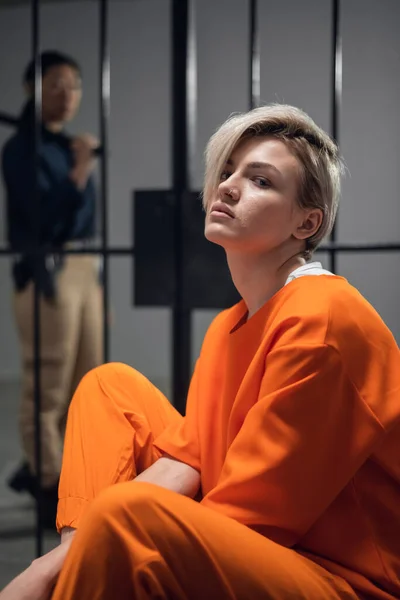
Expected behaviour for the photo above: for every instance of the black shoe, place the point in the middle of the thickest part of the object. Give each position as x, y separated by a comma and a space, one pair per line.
23, 480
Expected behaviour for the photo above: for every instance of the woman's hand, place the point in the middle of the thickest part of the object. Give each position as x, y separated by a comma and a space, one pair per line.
83, 147
29, 585
39, 579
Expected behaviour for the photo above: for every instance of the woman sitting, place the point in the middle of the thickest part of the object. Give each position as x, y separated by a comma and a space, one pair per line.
283, 479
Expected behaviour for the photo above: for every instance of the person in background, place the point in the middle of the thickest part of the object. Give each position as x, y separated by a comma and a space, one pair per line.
62, 216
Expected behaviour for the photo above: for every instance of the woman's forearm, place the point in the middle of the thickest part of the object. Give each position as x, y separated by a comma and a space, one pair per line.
67, 533
167, 473
172, 475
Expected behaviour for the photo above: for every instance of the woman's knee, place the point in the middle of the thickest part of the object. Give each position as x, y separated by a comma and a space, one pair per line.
126, 502
108, 371
119, 387
103, 379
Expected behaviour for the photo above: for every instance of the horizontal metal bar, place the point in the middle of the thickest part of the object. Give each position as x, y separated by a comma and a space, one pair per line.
359, 247
130, 251
112, 251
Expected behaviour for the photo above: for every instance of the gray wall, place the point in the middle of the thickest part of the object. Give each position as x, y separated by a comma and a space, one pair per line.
295, 68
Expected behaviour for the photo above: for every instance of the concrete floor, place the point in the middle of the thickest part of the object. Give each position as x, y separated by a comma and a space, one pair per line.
17, 511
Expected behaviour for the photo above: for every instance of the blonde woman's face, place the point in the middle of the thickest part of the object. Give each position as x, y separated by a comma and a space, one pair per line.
255, 207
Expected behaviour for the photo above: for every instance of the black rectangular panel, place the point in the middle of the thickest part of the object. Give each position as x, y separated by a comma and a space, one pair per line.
154, 247
206, 281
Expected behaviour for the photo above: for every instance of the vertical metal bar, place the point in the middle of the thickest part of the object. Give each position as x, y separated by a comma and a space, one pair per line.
336, 98
104, 91
181, 318
254, 57
191, 91
35, 17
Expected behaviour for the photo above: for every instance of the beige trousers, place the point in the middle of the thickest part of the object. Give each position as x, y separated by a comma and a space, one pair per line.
71, 344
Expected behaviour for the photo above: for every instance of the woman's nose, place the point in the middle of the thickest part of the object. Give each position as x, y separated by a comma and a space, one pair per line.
228, 188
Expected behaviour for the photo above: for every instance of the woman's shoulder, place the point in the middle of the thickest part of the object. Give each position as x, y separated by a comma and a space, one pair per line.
338, 311
320, 293
331, 295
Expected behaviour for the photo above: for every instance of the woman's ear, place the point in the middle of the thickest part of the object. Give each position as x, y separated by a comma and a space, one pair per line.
312, 221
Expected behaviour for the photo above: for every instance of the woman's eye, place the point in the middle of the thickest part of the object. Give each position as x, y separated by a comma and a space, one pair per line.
262, 182
224, 176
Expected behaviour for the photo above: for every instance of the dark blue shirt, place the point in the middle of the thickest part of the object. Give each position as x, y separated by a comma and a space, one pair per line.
66, 213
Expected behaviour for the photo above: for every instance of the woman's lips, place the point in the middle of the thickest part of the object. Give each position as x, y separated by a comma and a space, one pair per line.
221, 209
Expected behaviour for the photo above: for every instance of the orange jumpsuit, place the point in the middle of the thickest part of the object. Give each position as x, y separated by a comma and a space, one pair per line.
293, 421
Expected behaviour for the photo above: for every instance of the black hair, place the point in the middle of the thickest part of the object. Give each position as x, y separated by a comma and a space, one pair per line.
49, 59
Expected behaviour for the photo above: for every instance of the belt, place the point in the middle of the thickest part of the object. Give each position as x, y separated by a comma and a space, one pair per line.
77, 244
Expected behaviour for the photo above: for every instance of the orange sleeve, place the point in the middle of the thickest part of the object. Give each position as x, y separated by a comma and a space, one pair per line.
180, 440
298, 446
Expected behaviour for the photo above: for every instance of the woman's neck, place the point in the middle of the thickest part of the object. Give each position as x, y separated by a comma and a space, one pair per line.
258, 277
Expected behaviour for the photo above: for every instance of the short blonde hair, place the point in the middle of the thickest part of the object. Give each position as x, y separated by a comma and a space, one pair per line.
318, 154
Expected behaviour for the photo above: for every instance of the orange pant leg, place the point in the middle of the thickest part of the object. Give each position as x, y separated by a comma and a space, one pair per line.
113, 419
141, 542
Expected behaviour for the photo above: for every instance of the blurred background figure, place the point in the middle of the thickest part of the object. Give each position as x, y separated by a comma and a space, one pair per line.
70, 286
